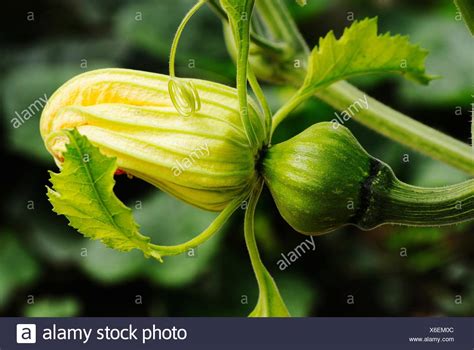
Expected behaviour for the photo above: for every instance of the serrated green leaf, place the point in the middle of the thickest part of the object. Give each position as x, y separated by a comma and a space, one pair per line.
360, 50
83, 192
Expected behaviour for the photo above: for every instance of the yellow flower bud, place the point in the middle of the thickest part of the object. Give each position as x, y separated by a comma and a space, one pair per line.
204, 159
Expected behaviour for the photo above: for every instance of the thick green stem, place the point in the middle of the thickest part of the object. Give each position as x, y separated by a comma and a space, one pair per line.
387, 200
419, 206
400, 127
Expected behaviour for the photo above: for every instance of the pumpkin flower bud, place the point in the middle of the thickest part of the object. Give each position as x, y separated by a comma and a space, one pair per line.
204, 159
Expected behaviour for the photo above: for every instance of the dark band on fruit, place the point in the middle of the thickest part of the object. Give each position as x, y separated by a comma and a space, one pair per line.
366, 194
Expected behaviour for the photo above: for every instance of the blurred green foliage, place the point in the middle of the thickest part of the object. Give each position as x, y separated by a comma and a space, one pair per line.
390, 271
25, 269
53, 307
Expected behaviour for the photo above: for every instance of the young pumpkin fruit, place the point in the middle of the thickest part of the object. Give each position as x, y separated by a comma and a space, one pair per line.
323, 179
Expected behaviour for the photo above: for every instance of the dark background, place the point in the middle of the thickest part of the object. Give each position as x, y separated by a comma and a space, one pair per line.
48, 269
